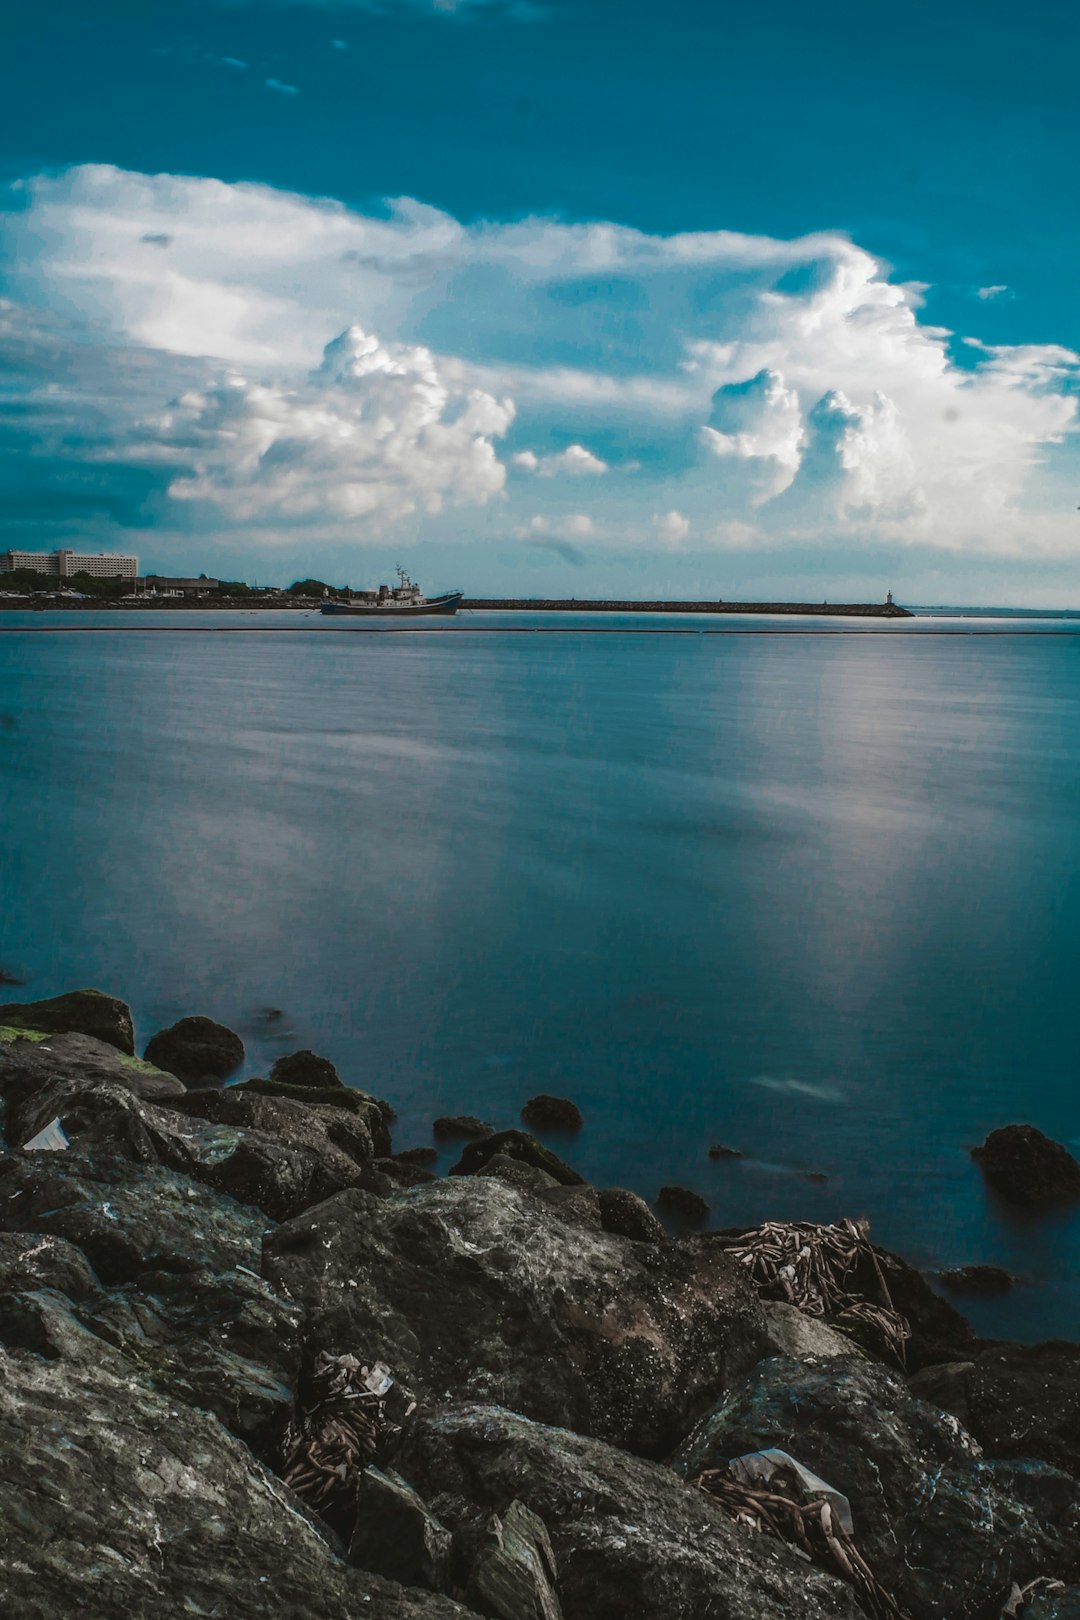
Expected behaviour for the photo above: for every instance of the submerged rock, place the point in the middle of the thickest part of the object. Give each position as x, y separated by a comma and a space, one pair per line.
306, 1069
474, 1286
79, 1012
719, 1151
942, 1529
978, 1280
449, 1126
552, 1113
196, 1049
629, 1537
1027, 1167
118, 1500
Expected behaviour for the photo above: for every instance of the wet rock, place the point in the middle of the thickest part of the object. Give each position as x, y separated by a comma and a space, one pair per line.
718, 1151
792, 1333
1063, 1604
1026, 1167
396, 1535
515, 1145
629, 1537
128, 1218
306, 1069
34, 1260
514, 1575
545, 1113
626, 1215
681, 1201
79, 1012
1023, 1400
338, 1134
472, 1285
977, 1280
450, 1126
945, 1385
425, 1157
34, 1074
942, 1529
196, 1049
572, 1203
343, 1098
402, 1173
167, 1514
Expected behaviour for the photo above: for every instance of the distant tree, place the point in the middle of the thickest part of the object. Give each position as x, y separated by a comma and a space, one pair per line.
313, 587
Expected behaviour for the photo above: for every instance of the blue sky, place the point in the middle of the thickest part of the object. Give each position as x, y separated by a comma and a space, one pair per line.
750, 300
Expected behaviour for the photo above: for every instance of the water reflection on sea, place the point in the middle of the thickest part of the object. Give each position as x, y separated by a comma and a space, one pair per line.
812, 896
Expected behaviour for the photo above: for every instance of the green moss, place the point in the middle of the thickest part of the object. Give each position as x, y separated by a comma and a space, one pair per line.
140, 1065
8, 1032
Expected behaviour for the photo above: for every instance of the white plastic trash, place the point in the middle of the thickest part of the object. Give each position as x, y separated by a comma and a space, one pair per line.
758, 1467
51, 1139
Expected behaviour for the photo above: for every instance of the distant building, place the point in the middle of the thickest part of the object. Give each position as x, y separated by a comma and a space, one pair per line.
167, 585
64, 564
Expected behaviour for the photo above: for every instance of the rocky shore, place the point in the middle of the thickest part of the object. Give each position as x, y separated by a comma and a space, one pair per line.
258, 1363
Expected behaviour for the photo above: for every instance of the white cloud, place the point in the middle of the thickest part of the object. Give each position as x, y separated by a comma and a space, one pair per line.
672, 528
575, 461
760, 420
986, 293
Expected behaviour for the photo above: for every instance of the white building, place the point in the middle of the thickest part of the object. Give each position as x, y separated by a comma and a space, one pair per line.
66, 563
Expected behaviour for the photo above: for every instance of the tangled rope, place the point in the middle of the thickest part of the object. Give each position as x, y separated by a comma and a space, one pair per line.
339, 1431
813, 1267
811, 1526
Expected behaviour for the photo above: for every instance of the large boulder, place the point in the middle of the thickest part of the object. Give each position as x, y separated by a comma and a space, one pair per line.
339, 1134
629, 1536
1018, 1400
34, 1260
1027, 1167
118, 1500
196, 1049
943, 1530
79, 1012
36, 1075
515, 1145
475, 1286
306, 1069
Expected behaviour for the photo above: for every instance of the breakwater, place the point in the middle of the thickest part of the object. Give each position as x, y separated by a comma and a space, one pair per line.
526, 604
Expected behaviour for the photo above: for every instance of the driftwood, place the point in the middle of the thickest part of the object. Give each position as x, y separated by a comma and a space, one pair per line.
339, 1430
812, 1527
813, 1268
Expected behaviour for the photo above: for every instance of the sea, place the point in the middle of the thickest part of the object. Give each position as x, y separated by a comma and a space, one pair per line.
806, 889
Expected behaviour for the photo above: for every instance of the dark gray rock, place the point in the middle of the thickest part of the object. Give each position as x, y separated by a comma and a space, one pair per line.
425, 1157
397, 1536
719, 1151
943, 1530
34, 1075
33, 1260
128, 1218
449, 1126
626, 1215
471, 1286
339, 1135
629, 1537
400, 1173
547, 1113
306, 1069
1023, 1400
689, 1206
80, 1012
515, 1145
514, 1574
196, 1050
117, 1500
977, 1280
1026, 1167
1061, 1605
573, 1203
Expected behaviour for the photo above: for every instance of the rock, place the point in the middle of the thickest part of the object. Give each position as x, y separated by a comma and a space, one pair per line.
625, 1214
449, 1126
572, 1203
945, 1385
338, 1134
397, 1536
166, 1513
400, 1173
196, 1049
34, 1076
515, 1145
978, 1280
79, 1012
425, 1157
544, 1113
514, 1575
128, 1218
1023, 1400
306, 1069
474, 1286
689, 1206
941, 1528
1026, 1167
30, 1261
529, 1177
343, 1098
629, 1537
718, 1151
1063, 1604
792, 1333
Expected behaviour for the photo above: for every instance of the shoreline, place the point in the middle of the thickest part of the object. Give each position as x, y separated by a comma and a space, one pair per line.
129, 604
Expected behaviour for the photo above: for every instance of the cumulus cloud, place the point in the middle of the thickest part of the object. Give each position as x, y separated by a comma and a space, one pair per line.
986, 293
575, 461
776, 388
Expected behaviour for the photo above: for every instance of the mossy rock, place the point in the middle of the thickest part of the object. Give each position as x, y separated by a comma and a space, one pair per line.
8, 1033
516, 1145
79, 1012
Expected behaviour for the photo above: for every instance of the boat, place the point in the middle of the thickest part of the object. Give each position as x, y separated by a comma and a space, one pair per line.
404, 601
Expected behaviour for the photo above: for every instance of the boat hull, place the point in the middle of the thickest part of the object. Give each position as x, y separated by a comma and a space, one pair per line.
440, 605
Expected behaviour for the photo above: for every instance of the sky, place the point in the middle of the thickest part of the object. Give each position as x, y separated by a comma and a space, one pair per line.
546, 297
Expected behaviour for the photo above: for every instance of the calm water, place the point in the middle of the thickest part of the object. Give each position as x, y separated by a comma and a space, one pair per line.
816, 897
